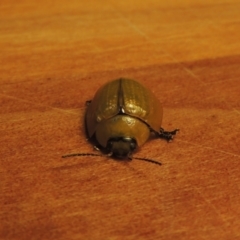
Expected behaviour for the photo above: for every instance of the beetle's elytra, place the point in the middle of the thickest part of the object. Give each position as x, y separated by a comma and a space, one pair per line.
121, 117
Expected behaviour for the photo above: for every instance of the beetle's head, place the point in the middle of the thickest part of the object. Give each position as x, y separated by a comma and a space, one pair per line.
122, 147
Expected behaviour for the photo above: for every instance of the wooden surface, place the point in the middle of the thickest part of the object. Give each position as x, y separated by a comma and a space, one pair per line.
55, 55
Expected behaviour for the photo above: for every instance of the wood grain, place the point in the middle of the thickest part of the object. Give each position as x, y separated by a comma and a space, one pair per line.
55, 55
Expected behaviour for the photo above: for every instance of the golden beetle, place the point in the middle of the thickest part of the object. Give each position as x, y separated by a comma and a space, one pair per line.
121, 117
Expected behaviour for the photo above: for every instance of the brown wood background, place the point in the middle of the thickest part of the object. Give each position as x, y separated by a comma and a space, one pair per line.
55, 55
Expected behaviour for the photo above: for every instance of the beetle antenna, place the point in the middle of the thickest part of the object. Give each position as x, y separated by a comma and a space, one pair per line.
108, 155
148, 160
81, 154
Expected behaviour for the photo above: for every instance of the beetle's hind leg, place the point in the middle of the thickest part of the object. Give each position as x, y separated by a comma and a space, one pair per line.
168, 135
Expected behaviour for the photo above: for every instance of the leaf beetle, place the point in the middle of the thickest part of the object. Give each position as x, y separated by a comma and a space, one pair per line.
121, 117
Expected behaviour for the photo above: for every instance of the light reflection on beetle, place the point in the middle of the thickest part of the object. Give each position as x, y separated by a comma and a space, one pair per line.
121, 117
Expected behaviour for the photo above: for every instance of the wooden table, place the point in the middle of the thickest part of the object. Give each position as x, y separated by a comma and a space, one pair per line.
55, 55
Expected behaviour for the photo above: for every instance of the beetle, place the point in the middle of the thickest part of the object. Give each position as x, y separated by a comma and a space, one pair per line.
122, 116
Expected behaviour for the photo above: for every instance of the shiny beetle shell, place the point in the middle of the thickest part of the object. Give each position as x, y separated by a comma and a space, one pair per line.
123, 108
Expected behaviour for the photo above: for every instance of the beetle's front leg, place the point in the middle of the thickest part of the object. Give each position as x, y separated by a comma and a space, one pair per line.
97, 148
167, 135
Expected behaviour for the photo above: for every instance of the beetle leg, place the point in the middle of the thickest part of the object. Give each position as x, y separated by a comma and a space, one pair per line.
167, 135
97, 148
